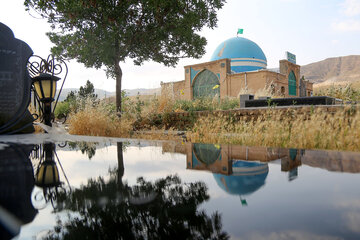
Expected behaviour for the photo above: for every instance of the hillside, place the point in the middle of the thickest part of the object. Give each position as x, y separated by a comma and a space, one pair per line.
332, 70
102, 93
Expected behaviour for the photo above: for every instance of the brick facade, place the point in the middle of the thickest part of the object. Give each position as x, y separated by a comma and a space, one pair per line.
234, 84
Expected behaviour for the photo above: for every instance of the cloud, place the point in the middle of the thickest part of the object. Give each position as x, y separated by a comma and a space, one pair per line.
347, 26
351, 7
290, 234
352, 221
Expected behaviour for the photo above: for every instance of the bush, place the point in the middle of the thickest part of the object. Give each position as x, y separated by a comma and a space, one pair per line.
62, 109
346, 93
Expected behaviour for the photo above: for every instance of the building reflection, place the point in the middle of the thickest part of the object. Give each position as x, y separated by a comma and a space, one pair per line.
235, 176
16, 185
220, 158
241, 170
290, 159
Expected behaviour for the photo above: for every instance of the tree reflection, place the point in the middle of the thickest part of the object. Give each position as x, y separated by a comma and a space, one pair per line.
87, 148
166, 209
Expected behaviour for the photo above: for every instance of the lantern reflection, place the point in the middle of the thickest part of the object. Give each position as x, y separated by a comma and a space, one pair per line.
47, 175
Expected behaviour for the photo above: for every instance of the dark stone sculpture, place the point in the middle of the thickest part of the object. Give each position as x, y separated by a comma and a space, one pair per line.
15, 83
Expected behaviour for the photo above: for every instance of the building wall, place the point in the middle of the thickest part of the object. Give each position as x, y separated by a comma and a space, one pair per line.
309, 88
233, 84
286, 68
220, 68
255, 82
175, 90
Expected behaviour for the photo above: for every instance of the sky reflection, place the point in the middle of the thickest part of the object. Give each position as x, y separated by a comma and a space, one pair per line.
254, 189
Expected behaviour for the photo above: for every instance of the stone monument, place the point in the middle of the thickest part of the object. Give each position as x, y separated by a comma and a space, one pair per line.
15, 84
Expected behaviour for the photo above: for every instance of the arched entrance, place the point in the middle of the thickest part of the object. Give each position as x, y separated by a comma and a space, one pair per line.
206, 84
206, 153
292, 84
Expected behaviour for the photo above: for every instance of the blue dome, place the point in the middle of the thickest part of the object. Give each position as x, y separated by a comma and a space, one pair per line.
245, 55
247, 178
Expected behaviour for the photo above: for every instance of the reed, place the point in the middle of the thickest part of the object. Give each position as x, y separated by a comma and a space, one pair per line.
99, 121
318, 130
151, 118
346, 92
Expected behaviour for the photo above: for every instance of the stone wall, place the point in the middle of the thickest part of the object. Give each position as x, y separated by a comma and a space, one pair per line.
257, 82
174, 90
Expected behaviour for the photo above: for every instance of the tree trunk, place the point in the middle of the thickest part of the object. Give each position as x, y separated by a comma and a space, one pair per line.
120, 159
118, 77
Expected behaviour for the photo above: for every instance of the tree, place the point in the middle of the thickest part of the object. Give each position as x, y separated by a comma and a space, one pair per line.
106, 32
71, 96
87, 91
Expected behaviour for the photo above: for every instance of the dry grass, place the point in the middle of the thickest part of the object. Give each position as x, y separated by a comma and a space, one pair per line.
342, 90
315, 130
97, 122
319, 130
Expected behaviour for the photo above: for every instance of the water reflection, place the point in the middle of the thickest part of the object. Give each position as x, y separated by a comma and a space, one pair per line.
174, 200
16, 185
111, 209
218, 158
235, 177
47, 175
87, 148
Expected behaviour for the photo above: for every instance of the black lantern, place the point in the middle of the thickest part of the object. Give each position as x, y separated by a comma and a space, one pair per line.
44, 75
45, 86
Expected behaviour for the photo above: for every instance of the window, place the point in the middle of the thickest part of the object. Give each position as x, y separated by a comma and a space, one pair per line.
292, 84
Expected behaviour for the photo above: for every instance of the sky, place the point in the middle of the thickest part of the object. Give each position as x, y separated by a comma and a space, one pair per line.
313, 30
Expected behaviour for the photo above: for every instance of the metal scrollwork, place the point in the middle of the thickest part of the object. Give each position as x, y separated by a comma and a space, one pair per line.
52, 65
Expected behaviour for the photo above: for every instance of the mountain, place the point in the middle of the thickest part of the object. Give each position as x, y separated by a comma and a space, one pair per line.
330, 70
102, 93
143, 91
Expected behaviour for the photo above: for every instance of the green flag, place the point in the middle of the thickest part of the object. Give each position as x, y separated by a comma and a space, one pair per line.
240, 31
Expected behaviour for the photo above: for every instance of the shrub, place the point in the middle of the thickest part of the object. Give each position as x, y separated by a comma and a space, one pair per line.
62, 109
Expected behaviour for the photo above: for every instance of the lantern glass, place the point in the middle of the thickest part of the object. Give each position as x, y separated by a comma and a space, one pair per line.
46, 89
45, 86
48, 175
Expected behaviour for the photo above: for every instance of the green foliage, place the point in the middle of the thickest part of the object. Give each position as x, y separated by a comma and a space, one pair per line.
229, 103
100, 32
205, 104
76, 101
71, 96
138, 106
346, 93
62, 109
103, 33
87, 91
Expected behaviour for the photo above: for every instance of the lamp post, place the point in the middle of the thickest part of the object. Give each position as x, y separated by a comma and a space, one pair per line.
45, 88
44, 75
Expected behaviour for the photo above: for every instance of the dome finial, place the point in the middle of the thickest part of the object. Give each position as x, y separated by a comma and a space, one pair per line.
239, 31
